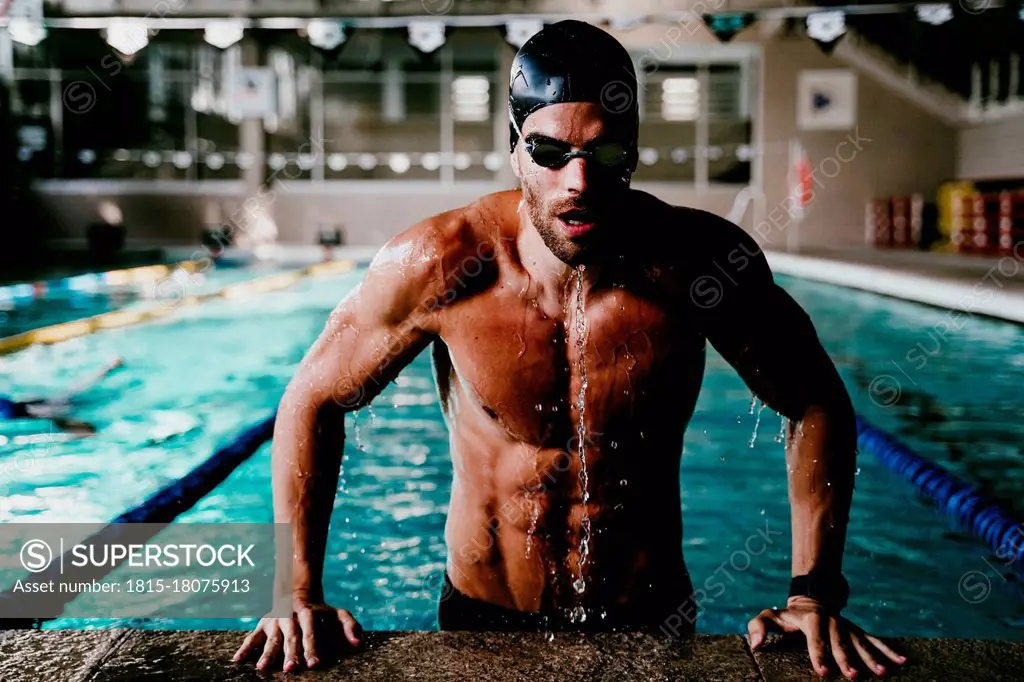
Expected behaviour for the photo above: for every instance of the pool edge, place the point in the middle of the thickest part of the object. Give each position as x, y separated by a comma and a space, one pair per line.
931, 289
425, 656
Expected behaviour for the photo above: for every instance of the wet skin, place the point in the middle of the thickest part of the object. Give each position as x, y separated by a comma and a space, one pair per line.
510, 364
517, 309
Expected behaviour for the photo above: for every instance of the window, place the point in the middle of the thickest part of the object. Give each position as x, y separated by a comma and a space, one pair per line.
668, 126
362, 143
375, 108
729, 127
695, 123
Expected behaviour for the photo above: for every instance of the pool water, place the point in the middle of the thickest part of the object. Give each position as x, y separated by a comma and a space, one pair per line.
192, 382
30, 305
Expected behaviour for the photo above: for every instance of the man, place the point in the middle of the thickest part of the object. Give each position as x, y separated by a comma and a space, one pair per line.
56, 408
567, 323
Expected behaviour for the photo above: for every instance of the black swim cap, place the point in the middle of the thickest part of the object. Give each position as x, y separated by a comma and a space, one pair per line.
573, 61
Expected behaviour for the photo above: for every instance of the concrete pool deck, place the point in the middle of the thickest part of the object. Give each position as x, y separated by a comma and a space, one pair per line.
992, 286
117, 655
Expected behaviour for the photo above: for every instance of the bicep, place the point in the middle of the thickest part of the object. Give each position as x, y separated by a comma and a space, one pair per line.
763, 332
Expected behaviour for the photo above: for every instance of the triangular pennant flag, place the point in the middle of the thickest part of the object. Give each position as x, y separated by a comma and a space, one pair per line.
426, 35
826, 28
725, 26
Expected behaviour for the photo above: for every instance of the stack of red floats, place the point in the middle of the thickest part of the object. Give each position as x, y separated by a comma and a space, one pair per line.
989, 222
972, 221
894, 221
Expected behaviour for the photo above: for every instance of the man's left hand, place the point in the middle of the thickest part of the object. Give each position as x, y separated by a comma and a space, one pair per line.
825, 631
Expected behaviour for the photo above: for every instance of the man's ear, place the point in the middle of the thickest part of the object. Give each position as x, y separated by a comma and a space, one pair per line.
514, 161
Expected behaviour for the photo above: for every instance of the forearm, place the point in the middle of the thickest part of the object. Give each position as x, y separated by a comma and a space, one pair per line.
306, 460
821, 453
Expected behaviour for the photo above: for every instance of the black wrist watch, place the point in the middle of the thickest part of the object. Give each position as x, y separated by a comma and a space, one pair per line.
831, 591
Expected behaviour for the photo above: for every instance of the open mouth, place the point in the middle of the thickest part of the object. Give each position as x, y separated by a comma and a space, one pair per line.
577, 221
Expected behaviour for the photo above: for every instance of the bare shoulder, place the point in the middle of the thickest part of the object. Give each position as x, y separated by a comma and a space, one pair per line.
429, 260
696, 238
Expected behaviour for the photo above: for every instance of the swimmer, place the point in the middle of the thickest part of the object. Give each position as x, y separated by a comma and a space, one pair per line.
56, 408
566, 427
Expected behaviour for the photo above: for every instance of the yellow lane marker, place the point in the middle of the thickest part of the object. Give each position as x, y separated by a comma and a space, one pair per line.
123, 318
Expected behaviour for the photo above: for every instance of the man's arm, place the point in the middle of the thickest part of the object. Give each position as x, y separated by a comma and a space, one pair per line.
370, 336
771, 342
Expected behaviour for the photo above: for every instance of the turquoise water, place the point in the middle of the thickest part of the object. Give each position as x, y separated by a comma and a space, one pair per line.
28, 306
191, 383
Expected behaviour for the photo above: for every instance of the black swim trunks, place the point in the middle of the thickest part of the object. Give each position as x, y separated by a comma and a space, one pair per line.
458, 611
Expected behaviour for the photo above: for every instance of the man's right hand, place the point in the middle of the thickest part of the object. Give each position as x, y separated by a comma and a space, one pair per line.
313, 627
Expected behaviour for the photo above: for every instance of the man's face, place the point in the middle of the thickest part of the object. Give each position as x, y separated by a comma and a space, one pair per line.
573, 206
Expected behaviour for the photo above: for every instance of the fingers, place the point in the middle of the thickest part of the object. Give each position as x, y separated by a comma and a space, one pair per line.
272, 647
813, 628
763, 623
865, 654
884, 648
839, 638
291, 644
308, 643
251, 642
352, 628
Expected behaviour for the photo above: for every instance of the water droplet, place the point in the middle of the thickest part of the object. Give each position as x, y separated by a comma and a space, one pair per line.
623, 482
538, 407
857, 473
604, 614
641, 434
739, 419
762, 511
551, 636
615, 446
578, 615
721, 457
579, 585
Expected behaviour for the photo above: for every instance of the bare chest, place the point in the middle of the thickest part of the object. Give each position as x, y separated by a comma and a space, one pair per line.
612, 360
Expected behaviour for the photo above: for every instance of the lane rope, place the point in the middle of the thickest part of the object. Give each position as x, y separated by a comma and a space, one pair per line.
63, 331
981, 515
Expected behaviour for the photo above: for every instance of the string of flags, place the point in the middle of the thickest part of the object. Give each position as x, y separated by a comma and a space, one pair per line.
827, 27
427, 34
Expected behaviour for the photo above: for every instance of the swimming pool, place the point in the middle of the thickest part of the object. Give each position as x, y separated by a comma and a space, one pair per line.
192, 382
29, 305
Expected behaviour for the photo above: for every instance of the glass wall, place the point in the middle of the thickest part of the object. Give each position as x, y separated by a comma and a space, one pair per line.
696, 124
373, 109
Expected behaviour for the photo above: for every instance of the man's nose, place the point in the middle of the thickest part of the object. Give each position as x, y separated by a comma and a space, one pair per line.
574, 175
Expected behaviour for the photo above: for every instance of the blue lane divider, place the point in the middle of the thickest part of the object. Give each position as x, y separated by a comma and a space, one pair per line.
178, 497
982, 515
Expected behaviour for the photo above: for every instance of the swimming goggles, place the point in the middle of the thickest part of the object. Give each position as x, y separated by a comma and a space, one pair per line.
556, 154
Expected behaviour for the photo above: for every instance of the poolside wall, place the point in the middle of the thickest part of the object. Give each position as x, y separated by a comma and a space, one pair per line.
909, 150
992, 151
